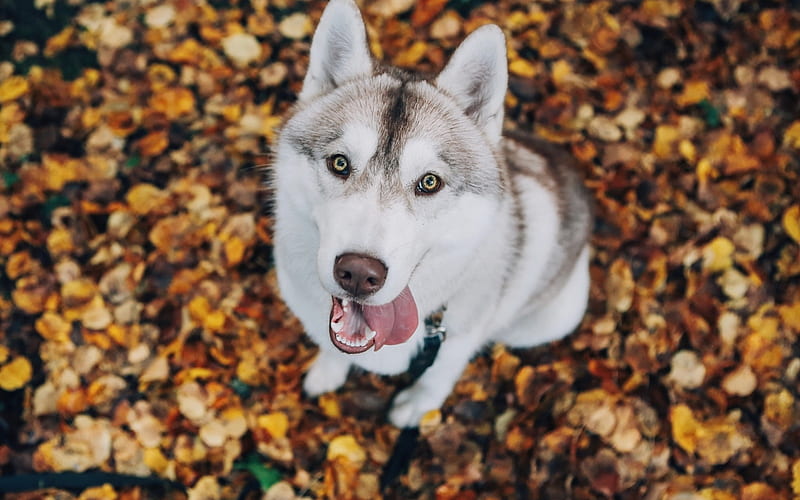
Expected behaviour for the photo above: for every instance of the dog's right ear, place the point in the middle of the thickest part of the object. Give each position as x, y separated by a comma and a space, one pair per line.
339, 50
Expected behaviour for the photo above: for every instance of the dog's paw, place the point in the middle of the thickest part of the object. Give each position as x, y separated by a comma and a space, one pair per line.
325, 375
409, 406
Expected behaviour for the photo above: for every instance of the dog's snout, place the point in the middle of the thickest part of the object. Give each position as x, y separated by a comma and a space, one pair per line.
358, 274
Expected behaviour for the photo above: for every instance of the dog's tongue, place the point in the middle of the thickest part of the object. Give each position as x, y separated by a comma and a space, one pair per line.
394, 322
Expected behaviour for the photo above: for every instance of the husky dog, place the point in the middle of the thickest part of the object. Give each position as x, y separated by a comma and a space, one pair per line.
397, 195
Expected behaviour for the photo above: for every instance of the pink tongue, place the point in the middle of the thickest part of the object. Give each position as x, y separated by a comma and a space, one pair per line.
394, 322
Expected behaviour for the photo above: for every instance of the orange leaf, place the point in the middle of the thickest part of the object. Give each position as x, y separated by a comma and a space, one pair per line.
173, 102
154, 143
425, 11
121, 122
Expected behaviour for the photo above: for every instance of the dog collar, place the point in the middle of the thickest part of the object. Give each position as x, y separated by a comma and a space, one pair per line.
435, 334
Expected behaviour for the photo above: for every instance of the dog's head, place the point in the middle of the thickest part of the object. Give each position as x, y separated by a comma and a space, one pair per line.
398, 173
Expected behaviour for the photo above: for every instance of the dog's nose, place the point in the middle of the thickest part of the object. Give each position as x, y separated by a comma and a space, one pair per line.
359, 274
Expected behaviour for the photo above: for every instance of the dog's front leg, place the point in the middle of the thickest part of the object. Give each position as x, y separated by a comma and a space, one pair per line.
327, 373
431, 390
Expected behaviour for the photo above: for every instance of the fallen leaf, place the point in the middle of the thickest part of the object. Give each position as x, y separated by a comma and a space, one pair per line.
206, 488
275, 423
13, 88
740, 382
791, 222
243, 48
16, 374
174, 102
346, 447
718, 254
425, 11
620, 286
295, 26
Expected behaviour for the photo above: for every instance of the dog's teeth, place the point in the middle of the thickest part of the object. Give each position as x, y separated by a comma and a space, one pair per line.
337, 326
370, 334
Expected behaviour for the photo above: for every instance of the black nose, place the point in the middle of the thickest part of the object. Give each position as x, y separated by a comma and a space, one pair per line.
360, 275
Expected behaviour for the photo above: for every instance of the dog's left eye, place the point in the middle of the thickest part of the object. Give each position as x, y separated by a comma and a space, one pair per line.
429, 184
339, 165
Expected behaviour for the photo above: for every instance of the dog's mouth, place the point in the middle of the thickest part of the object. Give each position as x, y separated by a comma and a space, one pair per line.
354, 327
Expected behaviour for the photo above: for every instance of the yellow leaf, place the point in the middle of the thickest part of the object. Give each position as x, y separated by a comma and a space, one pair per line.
59, 242
796, 477
199, 307
105, 492
715, 494
687, 150
173, 102
665, 139
430, 422
16, 374
160, 75
90, 117
155, 460
346, 447
693, 92
562, 71
3, 353
329, 404
189, 52
791, 222
59, 42
718, 254
705, 170
779, 409
142, 198
78, 293
12, 88
214, 321
247, 370
190, 374
791, 316
523, 68
53, 327
791, 137
411, 55
275, 423
684, 427
234, 250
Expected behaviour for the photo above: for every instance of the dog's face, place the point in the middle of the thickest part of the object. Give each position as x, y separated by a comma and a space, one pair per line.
390, 169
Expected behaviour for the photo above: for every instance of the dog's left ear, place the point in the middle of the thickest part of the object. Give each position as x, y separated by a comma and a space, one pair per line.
477, 78
339, 50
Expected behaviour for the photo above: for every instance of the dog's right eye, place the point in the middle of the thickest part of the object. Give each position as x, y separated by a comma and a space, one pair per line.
339, 165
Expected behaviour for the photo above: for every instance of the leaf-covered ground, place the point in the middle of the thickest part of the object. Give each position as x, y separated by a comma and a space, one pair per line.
140, 328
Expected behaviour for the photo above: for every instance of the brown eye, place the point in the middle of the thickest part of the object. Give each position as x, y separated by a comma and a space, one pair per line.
429, 184
339, 165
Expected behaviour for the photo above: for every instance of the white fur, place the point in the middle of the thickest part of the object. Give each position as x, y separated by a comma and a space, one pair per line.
455, 247
478, 70
339, 50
